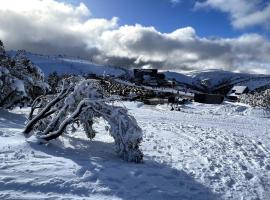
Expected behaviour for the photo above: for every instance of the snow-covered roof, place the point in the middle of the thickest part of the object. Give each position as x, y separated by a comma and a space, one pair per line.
236, 90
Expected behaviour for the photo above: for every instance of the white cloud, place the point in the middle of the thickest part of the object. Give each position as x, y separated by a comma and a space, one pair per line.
53, 27
175, 2
243, 13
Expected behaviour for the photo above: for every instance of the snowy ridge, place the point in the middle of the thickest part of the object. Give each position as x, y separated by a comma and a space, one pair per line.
209, 80
70, 65
215, 79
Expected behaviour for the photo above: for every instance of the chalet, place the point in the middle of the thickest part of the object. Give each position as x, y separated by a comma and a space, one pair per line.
148, 77
208, 98
236, 91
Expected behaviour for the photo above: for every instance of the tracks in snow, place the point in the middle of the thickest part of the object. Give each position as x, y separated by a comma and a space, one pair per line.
229, 163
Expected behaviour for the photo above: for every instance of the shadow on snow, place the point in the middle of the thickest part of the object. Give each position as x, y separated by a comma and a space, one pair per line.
98, 163
11, 120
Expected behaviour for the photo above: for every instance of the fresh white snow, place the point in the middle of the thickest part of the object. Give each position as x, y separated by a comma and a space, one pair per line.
201, 152
219, 78
66, 65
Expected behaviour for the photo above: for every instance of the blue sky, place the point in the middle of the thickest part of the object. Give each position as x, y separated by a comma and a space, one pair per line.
167, 16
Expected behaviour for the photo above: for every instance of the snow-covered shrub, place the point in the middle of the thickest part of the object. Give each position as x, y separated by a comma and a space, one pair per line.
21, 81
82, 102
12, 89
54, 80
257, 99
2, 49
30, 74
4, 59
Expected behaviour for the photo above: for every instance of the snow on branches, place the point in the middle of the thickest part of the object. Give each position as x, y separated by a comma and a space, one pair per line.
257, 99
20, 80
30, 74
2, 50
82, 102
12, 89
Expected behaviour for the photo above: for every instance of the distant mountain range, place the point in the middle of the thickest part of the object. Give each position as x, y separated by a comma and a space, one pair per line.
206, 81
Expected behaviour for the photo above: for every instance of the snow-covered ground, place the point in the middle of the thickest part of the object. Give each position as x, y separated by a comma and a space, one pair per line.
201, 152
67, 65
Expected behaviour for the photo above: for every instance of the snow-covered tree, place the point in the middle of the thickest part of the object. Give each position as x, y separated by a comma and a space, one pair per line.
30, 74
2, 49
21, 80
257, 99
4, 59
53, 80
12, 89
83, 102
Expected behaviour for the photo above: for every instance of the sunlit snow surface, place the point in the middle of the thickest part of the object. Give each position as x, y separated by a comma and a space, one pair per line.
201, 152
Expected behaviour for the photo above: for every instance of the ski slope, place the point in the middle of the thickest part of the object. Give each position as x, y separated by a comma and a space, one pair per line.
202, 152
69, 65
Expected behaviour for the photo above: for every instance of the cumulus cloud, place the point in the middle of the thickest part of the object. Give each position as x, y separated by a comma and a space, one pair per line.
243, 13
53, 27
